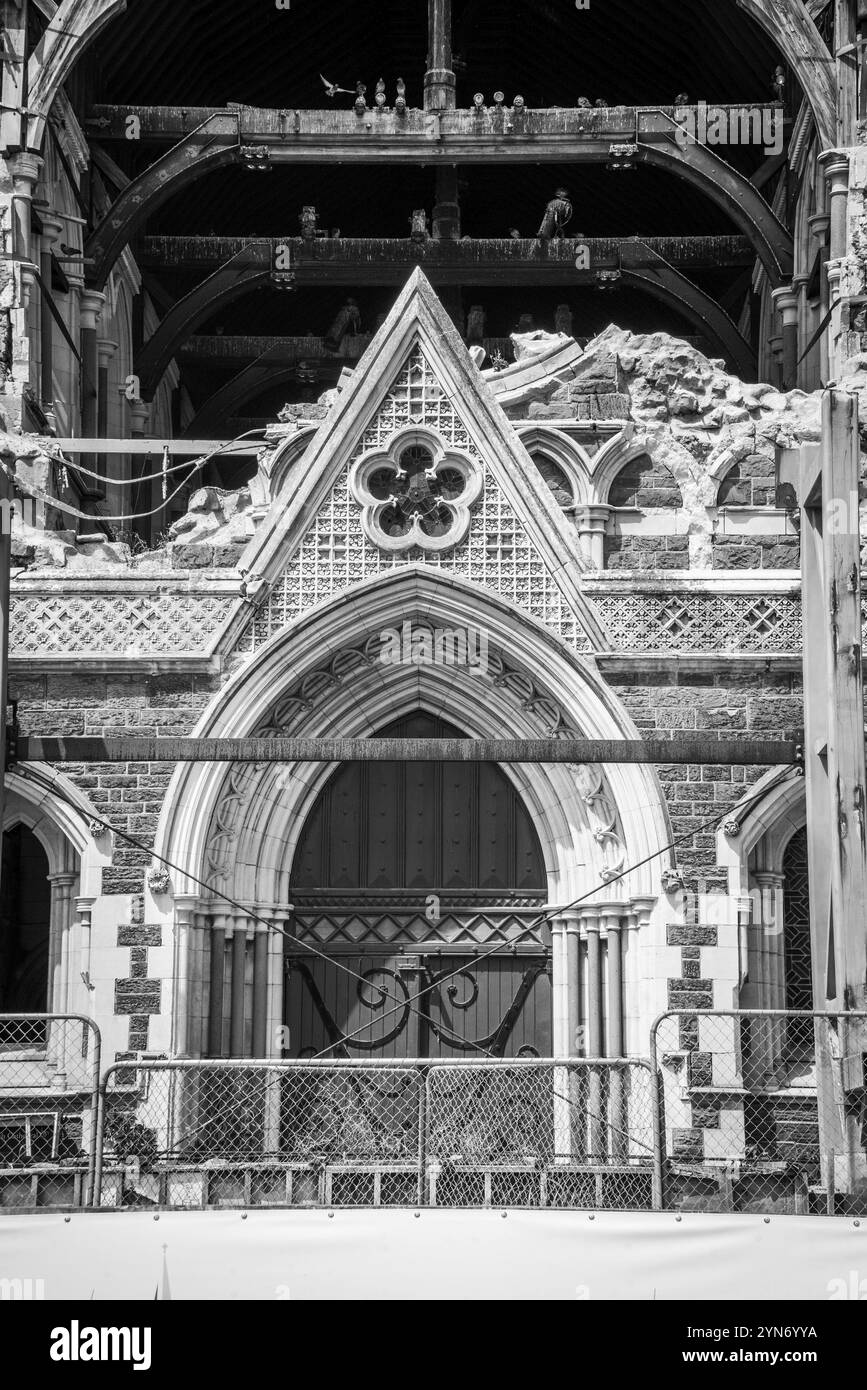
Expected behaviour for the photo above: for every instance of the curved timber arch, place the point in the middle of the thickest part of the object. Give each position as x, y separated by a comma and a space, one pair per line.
734, 193
211, 145
74, 25
247, 270
666, 284
272, 368
792, 28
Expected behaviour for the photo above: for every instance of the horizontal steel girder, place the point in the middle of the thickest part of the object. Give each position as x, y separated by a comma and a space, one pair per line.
723, 753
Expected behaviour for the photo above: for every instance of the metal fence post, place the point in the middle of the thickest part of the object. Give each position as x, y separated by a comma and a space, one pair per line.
657, 1116
94, 1118
99, 1141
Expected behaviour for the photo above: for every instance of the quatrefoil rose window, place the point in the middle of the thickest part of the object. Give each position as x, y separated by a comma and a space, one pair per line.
416, 493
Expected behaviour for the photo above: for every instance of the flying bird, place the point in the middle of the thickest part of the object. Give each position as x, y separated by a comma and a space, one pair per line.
332, 89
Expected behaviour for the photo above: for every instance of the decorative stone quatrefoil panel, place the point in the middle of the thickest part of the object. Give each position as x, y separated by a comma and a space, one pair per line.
416, 493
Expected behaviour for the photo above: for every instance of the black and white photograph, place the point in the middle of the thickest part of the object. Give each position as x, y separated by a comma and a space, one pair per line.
433, 474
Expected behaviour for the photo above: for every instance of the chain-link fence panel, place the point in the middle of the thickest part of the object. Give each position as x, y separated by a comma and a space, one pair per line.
577, 1133
49, 1091
529, 1133
195, 1134
762, 1111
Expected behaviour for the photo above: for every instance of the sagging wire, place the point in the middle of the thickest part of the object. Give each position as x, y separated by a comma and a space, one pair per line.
408, 1004
476, 959
194, 466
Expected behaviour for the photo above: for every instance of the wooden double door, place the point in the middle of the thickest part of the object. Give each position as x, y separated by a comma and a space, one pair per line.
418, 1005
422, 883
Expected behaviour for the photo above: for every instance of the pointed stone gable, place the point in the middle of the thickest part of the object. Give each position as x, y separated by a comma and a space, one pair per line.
515, 545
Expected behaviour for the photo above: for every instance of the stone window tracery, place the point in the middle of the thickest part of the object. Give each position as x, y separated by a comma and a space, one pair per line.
415, 493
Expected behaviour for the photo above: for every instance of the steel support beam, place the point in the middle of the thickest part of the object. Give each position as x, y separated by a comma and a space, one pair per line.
476, 260
248, 270
442, 138
211, 145
722, 753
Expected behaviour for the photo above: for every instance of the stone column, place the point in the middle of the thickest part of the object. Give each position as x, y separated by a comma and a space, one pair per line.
25, 168
62, 887
281, 923
573, 966
140, 414
786, 301
107, 466
592, 523
799, 285
52, 228
61, 919
84, 916
90, 307
201, 928
237, 1046
616, 1128
217, 968
184, 972
776, 345
820, 225
837, 335
591, 923
559, 989
835, 165
139, 497
106, 349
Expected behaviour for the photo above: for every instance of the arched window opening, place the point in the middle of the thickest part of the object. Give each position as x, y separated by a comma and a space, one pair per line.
25, 923
553, 475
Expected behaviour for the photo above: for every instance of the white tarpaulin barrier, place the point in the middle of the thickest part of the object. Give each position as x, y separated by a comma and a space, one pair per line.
437, 1254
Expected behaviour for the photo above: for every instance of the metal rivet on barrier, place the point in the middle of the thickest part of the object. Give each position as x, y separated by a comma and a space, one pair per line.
856, 1223
767, 1221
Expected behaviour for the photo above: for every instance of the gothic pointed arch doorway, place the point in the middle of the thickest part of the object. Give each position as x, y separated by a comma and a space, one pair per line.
404, 875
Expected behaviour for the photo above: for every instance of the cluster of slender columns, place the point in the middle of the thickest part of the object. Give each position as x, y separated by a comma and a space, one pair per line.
229, 982
828, 226
595, 970
68, 961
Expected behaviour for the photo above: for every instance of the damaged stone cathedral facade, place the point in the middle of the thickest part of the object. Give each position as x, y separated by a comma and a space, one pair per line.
599, 505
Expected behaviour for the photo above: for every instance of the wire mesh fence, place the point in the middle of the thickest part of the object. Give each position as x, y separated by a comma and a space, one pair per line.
528, 1133
576, 1133
762, 1111
742, 1111
49, 1098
